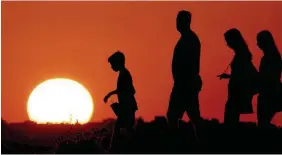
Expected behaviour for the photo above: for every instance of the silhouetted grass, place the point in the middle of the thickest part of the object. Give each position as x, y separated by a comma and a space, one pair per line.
154, 137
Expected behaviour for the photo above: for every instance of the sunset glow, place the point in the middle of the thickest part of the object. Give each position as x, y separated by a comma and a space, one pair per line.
75, 39
60, 101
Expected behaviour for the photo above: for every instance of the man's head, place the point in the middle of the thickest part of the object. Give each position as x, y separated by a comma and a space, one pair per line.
117, 61
183, 21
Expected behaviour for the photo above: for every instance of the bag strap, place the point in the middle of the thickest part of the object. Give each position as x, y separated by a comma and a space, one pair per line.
227, 68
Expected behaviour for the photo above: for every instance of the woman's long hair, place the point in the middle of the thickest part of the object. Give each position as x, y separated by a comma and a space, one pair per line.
236, 41
266, 40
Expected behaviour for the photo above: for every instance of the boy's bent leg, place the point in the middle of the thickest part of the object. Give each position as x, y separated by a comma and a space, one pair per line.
115, 134
130, 122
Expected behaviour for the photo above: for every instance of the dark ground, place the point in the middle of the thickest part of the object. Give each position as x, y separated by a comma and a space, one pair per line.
149, 137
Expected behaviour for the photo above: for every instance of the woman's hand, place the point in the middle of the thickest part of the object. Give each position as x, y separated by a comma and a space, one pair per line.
224, 76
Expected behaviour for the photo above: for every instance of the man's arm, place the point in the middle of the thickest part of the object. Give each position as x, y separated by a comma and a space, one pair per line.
197, 58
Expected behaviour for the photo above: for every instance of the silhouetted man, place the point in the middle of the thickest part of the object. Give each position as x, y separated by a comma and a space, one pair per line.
125, 91
185, 70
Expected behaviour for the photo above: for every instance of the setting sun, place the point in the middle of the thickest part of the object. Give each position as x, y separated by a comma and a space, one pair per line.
60, 101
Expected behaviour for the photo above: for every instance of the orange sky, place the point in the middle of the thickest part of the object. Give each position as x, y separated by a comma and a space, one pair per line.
43, 40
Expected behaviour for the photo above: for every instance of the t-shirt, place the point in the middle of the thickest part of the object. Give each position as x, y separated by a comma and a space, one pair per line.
126, 90
186, 60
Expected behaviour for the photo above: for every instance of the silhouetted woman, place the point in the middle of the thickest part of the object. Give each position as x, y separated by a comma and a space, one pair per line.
240, 93
270, 74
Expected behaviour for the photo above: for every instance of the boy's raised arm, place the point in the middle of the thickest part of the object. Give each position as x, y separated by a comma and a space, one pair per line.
113, 92
109, 95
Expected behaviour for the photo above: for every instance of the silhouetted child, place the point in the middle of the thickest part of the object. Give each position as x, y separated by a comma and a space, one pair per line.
241, 86
125, 92
269, 99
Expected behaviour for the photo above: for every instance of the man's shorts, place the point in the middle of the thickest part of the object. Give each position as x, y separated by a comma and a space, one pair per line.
183, 100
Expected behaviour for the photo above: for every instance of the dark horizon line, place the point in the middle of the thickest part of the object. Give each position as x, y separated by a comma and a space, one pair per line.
111, 118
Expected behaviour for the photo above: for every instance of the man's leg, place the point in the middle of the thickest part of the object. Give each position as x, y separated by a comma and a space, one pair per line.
175, 110
173, 123
193, 112
174, 114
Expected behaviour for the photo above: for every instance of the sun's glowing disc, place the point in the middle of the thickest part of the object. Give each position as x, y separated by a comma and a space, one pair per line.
60, 100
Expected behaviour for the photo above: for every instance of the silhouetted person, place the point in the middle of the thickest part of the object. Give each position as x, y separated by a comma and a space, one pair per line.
185, 69
242, 80
269, 99
125, 92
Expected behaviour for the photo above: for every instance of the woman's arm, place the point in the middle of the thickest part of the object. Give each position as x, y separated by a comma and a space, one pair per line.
224, 76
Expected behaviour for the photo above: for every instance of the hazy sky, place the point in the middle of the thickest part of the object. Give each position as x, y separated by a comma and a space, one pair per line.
43, 40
